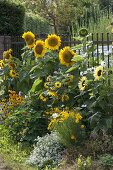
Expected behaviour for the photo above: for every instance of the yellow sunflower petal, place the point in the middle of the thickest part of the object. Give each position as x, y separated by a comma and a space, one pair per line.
13, 73
29, 38
58, 84
53, 42
2, 64
98, 73
82, 83
66, 55
7, 54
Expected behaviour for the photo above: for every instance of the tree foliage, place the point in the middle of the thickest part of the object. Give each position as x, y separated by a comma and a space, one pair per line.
61, 14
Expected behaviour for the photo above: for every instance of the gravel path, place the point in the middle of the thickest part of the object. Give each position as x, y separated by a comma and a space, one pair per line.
3, 166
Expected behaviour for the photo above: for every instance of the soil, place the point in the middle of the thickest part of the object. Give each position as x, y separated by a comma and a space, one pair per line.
3, 166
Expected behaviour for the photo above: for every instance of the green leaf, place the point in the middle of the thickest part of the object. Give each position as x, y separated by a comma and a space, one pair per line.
71, 69
33, 68
77, 47
109, 122
77, 58
91, 49
36, 84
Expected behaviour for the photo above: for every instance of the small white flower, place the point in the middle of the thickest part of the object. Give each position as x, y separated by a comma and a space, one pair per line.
85, 72
81, 73
84, 105
103, 64
55, 115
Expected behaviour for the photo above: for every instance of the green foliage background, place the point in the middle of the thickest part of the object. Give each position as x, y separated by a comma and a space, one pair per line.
36, 24
11, 18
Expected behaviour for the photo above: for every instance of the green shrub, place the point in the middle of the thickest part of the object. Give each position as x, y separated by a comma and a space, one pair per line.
36, 24
25, 124
11, 17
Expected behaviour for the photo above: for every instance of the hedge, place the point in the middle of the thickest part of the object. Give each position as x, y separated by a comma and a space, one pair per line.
11, 18
36, 24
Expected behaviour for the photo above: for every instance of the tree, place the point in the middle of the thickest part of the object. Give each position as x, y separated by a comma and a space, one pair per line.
60, 14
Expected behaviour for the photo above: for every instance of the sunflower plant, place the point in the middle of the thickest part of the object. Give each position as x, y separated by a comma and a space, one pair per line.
51, 76
97, 106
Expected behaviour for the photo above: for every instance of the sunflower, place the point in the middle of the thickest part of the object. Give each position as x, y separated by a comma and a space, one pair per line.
12, 65
73, 137
65, 98
66, 55
53, 94
39, 48
46, 85
53, 42
98, 73
13, 73
2, 64
7, 54
82, 126
58, 84
82, 83
42, 97
83, 32
29, 38
71, 78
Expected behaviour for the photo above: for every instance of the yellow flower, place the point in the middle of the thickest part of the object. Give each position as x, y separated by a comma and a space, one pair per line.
12, 65
29, 38
82, 126
19, 99
58, 84
82, 83
53, 42
12, 91
65, 98
13, 73
66, 55
64, 115
73, 137
39, 49
71, 78
53, 94
98, 73
2, 64
78, 117
42, 97
52, 124
7, 54
46, 85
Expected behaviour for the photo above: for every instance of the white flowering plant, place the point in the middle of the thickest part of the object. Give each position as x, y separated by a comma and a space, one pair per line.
47, 152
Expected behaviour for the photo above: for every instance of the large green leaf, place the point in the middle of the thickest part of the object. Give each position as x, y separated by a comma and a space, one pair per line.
71, 69
35, 85
78, 58
33, 68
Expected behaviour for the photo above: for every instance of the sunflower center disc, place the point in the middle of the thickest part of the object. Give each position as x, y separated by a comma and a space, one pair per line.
99, 72
39, 49
67, 56
29, 40
83, 83
53, 42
